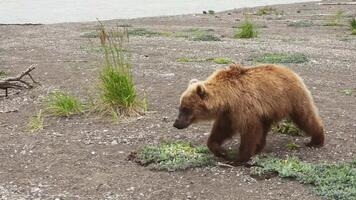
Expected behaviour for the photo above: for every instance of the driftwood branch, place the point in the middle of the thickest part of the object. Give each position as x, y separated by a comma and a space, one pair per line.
17, 82
338, 3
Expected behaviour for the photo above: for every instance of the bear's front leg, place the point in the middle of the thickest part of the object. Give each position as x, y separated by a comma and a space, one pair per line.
222, 130
249, 143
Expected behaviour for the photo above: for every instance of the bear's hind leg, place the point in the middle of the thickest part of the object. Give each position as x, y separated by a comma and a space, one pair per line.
250, 139
308, 120
222, 130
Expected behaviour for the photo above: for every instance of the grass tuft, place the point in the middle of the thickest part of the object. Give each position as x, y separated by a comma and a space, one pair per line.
246, 30
292, 146
287, 127
353, 26
331, 181
36, 122
281, 58
2, 74
63, 105
174, 156
211, 12
118, 91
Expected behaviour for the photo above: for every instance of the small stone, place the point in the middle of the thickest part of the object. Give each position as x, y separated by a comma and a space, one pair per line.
114, 142
93, 152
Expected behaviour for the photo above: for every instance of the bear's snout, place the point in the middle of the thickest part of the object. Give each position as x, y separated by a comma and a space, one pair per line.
179, 125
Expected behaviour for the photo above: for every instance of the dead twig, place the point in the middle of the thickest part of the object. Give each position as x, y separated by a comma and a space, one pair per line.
17, 82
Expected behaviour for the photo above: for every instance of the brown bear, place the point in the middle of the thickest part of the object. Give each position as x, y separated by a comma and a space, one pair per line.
249, 100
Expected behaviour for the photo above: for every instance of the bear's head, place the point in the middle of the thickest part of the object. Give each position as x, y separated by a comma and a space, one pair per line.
193, 105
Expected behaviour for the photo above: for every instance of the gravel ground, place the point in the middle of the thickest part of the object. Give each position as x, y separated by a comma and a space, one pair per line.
84, 157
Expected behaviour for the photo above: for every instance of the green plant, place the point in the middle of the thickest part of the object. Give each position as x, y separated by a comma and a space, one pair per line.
300, 23
246, 30
348, 92
211, 12
204, 36
336, 19
36, 122
268, 11
216, 60
179, 155
2, 73
143, 32
62, 104
331, 181
281, 58
118, 91
222, 61
286, 127
92, 34
186, 59
292, 146
353, 26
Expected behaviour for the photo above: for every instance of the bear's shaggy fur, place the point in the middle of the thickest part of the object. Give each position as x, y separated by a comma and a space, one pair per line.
249, 100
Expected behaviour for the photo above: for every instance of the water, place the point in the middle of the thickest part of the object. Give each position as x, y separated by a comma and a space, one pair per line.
56, 11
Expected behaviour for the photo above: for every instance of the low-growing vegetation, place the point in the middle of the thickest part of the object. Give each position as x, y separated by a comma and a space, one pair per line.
353, 26
281, 58
36, 122
292, 146
62, 104
174, 156
287, 127
331, 181
268, 11
336, 19
2, 73
204, 36
348, 92
246, 30
217, 60
143, 32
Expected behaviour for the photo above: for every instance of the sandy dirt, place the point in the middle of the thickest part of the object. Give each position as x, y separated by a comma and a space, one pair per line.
84, 157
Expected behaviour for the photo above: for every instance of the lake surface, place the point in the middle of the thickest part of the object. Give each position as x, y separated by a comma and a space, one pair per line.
56, 11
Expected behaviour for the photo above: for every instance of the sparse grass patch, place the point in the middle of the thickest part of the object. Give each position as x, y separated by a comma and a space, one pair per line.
118, 91
287, 127
63, 105
246, 30
143, 32
331, 181
336, 19
174, 156
2, 74
204, 36
36, 122
300, 23
268, 11
211, 12
216, 60
222, 61
92, 34
292, 146
348, 92
281, 58
186, 59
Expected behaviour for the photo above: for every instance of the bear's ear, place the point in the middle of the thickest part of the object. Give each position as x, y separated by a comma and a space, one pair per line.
193, 81
201, 91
